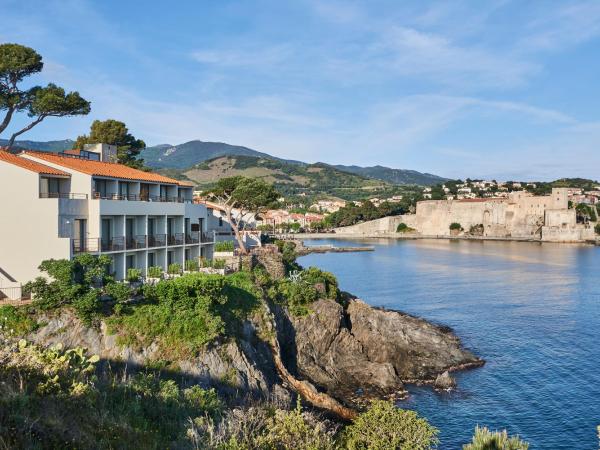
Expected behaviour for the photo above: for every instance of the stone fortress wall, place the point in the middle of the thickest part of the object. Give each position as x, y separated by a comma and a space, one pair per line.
521, 216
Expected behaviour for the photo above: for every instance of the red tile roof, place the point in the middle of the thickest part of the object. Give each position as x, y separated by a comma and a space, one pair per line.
103, 169
30, 165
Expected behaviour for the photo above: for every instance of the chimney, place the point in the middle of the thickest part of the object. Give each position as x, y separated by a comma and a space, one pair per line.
107, 152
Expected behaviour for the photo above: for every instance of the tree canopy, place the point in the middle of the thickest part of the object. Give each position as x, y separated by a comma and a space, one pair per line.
246, 197
18, 62
115, 132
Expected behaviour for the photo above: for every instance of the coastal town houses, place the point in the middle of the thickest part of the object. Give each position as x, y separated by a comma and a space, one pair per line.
275, 218
59, 205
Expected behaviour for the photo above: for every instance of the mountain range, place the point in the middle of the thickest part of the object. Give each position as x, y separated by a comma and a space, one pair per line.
177, 159
186, 155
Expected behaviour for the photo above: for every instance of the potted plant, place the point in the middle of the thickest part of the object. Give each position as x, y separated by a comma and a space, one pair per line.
174, 270
134, 276
224, 249
154, 274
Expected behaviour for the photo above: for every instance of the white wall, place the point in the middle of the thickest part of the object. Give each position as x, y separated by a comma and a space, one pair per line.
29, 226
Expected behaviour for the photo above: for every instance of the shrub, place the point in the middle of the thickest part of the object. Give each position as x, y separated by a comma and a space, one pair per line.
191, 265
155, 272
383, 426
224, 246
291, 429
218, 264
315, 276
174, 269
71, 282
16, 321
133, 275
120, 292
288, 253
597, 228
455, 226
485, 439
184, 314
403, 228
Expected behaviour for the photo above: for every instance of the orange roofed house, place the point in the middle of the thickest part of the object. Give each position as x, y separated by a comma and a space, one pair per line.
57, 205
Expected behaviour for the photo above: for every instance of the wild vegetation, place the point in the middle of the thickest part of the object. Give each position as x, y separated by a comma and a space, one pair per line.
224, 246
403, 228
352, 214
57, 398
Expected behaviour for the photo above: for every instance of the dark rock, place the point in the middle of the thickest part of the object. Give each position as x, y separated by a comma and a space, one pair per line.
369, 350
444, 382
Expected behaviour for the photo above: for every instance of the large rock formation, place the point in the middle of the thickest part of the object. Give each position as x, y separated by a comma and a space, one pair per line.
359, 351
351, 353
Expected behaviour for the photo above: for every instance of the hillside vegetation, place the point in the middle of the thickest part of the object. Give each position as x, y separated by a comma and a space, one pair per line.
394, 176
289, 178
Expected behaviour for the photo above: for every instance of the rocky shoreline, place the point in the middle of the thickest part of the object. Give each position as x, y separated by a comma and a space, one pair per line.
341, 356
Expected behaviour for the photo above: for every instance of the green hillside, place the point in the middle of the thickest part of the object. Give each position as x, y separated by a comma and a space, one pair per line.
166, 156
290, 179
394, 176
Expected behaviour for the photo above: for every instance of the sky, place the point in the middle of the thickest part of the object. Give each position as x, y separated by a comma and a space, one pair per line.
481, 89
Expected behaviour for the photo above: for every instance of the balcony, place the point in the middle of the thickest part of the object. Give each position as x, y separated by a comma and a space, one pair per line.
67, 195
206, 237
175, 239
157, 240
139, 198
192, 237
137, 242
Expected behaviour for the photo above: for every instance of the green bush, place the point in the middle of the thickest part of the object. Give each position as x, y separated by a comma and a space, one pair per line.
383, 427
485, 439
455, 226
291, 430
184, 314
597, 228
120, 292
288, 253
297, 294
191, 265
133, 275
224, 246
72, 282
155, 272
403, 228
16, 321
218, 264
174, 269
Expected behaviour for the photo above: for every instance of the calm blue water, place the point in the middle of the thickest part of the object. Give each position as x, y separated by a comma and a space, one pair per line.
531, 311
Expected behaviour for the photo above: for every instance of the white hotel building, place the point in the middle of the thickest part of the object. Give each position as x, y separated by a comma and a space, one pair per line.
60, 205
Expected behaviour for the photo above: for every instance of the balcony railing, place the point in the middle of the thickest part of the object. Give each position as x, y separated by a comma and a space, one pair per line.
68, 195
157, 240
140, 198
206, 237
192, 237
141, 241
175, 239
135, 242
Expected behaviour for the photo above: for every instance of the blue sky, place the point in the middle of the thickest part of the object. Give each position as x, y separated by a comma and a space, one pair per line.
499, 89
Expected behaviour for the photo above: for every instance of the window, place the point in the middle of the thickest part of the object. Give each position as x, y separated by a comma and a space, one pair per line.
220, 221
